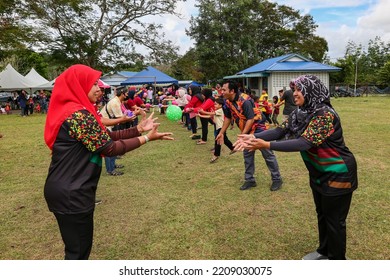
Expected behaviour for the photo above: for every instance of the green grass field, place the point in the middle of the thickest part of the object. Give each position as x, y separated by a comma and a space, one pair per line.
173, 204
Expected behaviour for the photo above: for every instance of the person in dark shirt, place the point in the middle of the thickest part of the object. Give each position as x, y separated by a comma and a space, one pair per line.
78, 140
314, 129
249, 119
288, 100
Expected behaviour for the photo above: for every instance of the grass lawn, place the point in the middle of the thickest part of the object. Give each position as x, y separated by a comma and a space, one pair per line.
173, 204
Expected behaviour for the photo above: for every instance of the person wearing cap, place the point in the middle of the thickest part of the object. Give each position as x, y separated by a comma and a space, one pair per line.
78, 139
314, 129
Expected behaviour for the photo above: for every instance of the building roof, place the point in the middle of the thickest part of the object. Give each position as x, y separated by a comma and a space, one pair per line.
127, 73
115, 79
285, 63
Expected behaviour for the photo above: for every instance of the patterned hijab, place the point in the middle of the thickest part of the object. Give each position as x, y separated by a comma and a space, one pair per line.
316, 97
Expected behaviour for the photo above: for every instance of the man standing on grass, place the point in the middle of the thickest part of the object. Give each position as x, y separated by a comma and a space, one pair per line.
241, 108
288, 100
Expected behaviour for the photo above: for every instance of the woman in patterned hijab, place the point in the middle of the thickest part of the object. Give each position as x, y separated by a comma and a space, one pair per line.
316, 96
314, 129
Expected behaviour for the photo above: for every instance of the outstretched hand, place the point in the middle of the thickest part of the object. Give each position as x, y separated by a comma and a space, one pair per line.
146, 124
250, 143
155, 135
140, 112
126, 118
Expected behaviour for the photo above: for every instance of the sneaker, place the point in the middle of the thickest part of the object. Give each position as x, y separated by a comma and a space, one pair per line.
314, 256
248, 185
119, 166
276, 185
98, 201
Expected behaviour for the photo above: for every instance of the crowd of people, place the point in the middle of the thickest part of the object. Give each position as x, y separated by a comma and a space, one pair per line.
26, 103
84, 128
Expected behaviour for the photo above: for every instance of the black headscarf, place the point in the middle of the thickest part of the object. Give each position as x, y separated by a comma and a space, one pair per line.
196, 91
131, 94
316, 97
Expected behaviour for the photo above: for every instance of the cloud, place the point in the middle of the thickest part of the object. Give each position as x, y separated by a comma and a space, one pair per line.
307, 5
373, 22
339, 21
377, 18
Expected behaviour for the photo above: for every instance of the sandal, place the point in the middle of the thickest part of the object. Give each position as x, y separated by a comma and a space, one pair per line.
214, 159
201, 142
115, 173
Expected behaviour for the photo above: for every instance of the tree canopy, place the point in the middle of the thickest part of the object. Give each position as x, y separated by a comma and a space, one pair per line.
100, 33
371, 65
231, 35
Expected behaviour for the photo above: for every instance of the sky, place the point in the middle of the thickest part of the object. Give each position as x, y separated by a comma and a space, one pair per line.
339, 21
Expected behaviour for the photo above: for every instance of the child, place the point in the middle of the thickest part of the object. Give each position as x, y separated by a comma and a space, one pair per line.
218, 120
8, 108
267, 109
37, 108
275, 112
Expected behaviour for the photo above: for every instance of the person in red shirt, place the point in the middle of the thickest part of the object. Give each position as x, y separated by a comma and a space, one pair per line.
196, 101
207, 106
133, 102
138, 100
275, 112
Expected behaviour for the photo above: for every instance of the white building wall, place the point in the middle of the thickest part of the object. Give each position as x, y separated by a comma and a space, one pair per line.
281, 80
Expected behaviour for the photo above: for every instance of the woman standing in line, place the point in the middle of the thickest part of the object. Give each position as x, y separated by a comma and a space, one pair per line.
78, 140
314, 129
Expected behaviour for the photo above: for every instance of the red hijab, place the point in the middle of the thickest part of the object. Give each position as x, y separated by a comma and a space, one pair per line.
70, 94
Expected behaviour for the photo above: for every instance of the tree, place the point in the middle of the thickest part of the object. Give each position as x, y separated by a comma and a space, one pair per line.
100, 33
13, 37
366, 67
187, 67
232, 35
383, 77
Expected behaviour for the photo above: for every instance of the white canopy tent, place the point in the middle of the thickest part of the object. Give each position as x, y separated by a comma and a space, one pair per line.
46, 86
35, 77
10, 80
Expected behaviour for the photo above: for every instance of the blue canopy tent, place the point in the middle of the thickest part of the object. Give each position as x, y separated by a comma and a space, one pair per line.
150, 76
188, 83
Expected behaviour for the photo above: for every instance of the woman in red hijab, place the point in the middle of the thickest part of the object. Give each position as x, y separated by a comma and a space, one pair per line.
78, 140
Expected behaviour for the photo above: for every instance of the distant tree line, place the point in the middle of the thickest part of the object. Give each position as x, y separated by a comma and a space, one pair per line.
229, 35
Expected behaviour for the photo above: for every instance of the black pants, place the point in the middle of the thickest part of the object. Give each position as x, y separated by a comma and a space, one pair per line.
332, 213
205, 127
194, 125
226, 141
268, 118
77, 234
